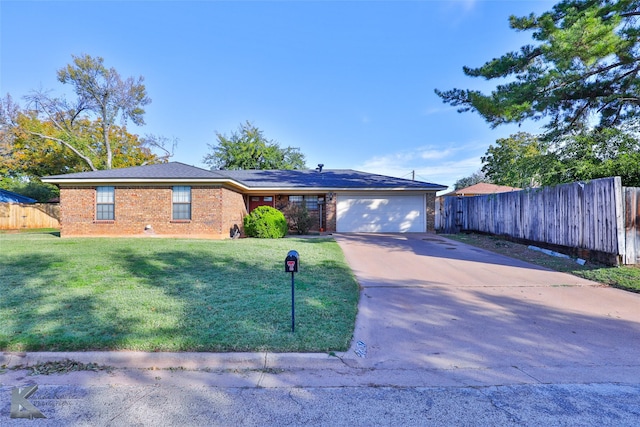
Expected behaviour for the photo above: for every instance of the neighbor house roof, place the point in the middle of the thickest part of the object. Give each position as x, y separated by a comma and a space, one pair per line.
7, 196
329, 179
482, 188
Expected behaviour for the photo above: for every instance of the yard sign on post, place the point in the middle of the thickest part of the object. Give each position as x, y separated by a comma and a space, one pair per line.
291, 266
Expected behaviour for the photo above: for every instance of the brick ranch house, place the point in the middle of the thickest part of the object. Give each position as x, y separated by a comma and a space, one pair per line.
177, 200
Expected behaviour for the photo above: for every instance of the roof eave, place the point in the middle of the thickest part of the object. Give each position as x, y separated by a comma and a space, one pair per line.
225, 181
146, 181
335, 189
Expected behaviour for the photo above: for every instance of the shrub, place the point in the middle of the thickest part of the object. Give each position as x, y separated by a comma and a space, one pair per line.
298, 218
265, 222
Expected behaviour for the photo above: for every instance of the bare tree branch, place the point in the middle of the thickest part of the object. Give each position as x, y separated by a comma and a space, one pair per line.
66, 144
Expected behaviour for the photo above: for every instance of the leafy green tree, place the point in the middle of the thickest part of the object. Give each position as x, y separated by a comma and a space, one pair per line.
33, 188
52, 135
581, 75
25, 153
583, 68
599, 153
473, 179
522, 160
101, 92
249, 149
8, 109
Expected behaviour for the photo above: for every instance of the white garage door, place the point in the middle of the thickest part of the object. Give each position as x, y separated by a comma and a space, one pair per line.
381, 214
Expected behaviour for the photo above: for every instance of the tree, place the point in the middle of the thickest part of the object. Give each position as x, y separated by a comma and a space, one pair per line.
34, 156
249, 149
30, 147
583, 69
7, 110
473, 179
38, 190
599, 153
87, 127
522, 160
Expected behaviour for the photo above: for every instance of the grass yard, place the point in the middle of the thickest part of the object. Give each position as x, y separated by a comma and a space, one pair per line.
624, 277
172, 295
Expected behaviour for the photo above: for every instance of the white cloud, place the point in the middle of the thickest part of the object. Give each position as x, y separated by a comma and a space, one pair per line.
457, 11
467, 5
438, 110
432, 164
434, 153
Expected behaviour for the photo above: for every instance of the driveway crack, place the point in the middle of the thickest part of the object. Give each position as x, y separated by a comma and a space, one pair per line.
263, 370
527, 374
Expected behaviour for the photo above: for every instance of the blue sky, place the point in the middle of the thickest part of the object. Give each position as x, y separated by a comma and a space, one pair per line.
349, 83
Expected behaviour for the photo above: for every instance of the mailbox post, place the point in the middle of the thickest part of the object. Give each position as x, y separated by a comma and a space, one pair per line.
291, 266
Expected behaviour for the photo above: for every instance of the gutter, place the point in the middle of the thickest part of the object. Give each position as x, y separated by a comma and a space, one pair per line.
225, 181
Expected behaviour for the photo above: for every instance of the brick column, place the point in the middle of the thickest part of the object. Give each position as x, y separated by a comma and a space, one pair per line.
331, 209
431, 212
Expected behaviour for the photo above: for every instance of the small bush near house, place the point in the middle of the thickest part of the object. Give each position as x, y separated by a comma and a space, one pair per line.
265, 222
298, 218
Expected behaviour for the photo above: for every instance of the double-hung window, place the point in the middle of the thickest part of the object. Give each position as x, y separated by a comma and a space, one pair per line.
310, 202
105, 203
181, 203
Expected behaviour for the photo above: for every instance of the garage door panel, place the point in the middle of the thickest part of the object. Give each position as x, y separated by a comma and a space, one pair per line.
370, 214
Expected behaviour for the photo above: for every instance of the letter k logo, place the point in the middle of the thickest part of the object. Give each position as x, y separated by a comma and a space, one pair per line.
21, 407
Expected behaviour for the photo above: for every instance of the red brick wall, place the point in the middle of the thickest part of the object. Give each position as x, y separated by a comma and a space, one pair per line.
431, 212
214, 210
233, 211
331, 213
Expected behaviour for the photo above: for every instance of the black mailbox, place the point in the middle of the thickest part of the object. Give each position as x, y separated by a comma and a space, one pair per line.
291, 262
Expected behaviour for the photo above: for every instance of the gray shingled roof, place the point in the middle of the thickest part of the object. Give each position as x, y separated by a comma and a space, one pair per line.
256, 179
157, 171
328, 178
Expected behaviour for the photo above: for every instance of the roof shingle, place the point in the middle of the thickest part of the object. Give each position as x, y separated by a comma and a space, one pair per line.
254, 179
156, 171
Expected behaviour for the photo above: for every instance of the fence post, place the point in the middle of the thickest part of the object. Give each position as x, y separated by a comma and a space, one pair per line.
618, 195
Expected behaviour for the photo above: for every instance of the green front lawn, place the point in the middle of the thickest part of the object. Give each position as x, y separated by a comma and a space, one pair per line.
172, 294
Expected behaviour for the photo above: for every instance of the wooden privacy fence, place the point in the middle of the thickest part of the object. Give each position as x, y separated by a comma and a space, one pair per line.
15, 216
596, 218
632, 224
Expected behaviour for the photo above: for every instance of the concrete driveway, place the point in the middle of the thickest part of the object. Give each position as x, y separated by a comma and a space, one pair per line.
428, 302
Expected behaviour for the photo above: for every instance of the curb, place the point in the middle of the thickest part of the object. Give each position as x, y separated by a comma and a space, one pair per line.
187, 360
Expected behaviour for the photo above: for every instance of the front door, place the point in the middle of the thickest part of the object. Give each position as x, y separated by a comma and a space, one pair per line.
255, 201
